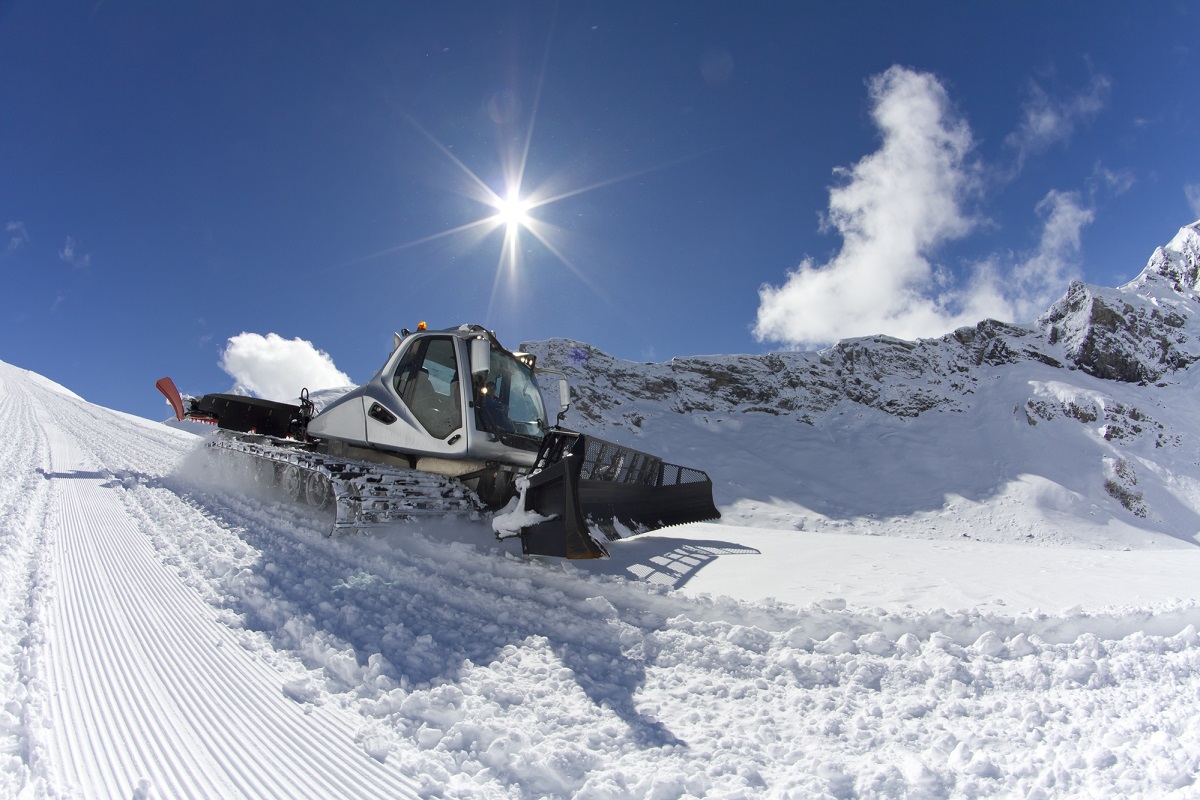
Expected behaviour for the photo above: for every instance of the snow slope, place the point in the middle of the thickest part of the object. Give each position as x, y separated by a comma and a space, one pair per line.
121, 680
1080, 429
161, 638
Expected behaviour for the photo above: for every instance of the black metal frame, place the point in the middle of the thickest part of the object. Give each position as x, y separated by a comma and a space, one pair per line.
237, 412
589, 486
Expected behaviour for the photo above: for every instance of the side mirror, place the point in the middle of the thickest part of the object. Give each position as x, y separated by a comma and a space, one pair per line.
481, 358
564, 399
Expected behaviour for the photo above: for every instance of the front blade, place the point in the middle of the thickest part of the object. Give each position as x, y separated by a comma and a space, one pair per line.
596, 490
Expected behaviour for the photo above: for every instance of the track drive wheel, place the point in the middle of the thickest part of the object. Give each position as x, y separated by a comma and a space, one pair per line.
292, 483
317, 490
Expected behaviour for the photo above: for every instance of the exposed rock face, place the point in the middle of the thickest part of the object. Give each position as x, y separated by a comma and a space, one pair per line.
1140, 332
1179, 262
895, 376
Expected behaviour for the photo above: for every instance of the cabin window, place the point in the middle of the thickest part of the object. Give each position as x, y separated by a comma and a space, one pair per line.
426, 380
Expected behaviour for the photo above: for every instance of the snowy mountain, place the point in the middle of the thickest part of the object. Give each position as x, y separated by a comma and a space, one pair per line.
1140, 332
1090, 411
160, 637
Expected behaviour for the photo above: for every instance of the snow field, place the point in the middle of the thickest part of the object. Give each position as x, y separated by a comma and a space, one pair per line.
897, 574
529, 680
168, 638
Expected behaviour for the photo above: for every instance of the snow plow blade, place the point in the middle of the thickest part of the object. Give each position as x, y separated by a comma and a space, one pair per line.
590, 489
167, 387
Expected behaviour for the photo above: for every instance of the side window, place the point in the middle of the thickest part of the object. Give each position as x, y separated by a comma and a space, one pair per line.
427, 381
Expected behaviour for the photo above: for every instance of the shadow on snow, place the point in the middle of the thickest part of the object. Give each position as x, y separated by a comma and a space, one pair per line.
435, 609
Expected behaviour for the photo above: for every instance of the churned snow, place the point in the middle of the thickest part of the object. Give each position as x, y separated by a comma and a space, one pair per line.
891, 625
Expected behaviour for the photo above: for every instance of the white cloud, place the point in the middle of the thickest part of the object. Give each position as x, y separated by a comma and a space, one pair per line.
1046, 120
1035, 281
277, 369
1115, 181
897, 206
72, 256
1192, 190
18, 237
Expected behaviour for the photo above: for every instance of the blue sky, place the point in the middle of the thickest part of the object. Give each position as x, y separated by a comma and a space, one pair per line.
722, 177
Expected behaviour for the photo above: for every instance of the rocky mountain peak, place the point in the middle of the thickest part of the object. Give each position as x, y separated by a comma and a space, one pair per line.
1178, 262
1138, 333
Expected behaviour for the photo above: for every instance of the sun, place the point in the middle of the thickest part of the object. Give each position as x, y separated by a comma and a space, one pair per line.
512, 207
513, 212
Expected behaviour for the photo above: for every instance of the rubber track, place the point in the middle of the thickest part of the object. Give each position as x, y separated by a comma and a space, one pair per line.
365, 494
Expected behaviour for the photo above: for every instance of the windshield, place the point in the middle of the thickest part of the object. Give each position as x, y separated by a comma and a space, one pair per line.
511, 402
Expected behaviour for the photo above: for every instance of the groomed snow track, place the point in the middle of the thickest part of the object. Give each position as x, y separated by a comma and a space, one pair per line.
135, 687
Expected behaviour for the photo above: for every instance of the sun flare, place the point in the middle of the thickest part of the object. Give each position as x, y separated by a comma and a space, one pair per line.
512, 208
513, 212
